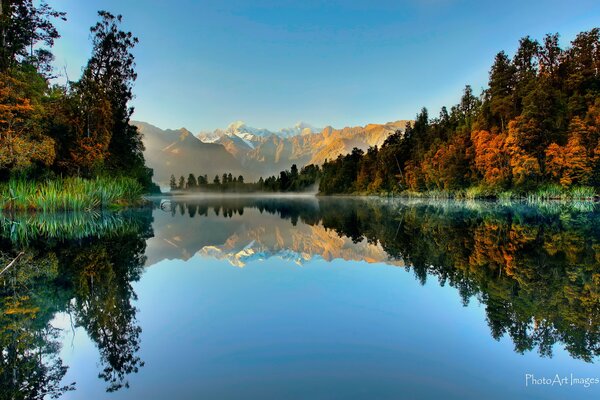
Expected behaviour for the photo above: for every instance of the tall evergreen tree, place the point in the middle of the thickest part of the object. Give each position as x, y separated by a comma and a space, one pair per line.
501, 89
173, 182
191, 181
111, 70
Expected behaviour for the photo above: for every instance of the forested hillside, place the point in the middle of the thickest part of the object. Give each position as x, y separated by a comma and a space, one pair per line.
535, 128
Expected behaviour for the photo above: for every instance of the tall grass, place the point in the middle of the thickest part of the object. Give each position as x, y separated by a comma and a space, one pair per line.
557, 192
69, 194
543, 193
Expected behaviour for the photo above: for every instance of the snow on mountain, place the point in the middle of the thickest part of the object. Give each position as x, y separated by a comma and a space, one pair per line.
252, 252
252, 135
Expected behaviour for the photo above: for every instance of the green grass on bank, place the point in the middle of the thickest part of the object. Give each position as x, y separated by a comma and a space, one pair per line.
543, 193
69, 194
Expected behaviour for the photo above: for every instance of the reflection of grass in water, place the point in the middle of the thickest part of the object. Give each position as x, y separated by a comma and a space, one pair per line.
544, 192
540, 207
21, 228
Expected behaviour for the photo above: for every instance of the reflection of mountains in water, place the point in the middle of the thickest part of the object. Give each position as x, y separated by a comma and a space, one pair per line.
536, 268
244, 230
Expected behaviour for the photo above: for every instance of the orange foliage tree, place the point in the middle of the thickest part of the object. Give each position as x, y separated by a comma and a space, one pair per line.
492, 161
572, 163
413, 177
525, 167
21, 140
88, 115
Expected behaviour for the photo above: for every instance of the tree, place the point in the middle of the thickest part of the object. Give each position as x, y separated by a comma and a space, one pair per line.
22, 142
240, 179
525, 62
572, 163
525, 59
181, 185
23, 27
294, 172
216, 181
111, 71
582, 78
492, 161
502, 82
525, 167
469, 105
173, 182
191, 181
550, 55
88, 116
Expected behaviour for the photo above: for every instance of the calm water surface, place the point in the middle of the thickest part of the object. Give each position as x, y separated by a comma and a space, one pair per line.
302, 298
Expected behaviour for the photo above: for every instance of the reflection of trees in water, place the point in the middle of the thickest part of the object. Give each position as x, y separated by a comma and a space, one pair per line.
537, 273
536, 268
103, 294
30, 367
294, 209
90, 278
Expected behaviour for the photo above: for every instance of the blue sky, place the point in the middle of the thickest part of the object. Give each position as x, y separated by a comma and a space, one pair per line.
204, 64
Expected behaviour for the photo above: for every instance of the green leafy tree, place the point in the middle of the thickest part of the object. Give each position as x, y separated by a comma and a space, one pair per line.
25, 28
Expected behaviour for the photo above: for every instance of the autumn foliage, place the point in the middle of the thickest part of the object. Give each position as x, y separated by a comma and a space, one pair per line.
537, 124
21, 141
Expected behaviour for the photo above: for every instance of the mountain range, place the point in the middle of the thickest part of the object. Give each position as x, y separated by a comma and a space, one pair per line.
251, 152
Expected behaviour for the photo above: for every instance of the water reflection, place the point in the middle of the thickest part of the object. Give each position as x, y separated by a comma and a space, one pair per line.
81, 265
536, 269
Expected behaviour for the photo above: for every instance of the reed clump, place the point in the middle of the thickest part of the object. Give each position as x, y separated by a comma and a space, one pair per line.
69, 194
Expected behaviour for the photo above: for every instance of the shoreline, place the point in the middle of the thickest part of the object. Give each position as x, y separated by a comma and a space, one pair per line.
405, 196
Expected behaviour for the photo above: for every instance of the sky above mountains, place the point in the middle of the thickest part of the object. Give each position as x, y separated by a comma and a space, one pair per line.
203, 64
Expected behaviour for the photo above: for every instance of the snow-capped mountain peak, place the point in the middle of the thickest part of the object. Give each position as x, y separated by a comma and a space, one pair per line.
251, 135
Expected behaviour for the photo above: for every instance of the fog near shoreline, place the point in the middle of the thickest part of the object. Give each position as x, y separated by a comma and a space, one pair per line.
311, 191
202, 195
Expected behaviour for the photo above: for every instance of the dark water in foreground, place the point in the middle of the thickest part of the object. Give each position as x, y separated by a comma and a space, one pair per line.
302, 298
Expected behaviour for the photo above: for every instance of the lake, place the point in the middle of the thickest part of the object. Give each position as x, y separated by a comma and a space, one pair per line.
303, 297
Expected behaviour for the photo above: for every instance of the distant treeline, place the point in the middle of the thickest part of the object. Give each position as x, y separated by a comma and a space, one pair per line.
288, 181
535, 128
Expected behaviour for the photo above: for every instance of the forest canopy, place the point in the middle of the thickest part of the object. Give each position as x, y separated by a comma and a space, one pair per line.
536, 126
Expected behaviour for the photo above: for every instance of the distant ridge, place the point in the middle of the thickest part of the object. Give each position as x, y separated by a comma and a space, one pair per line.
179, 152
